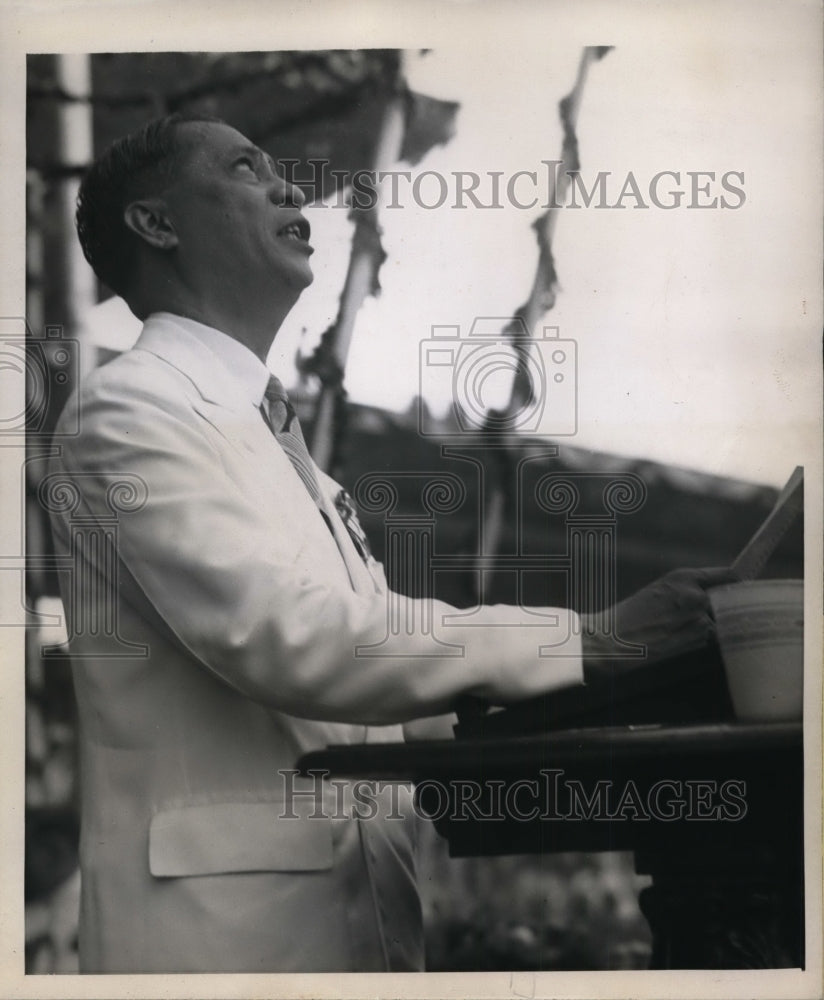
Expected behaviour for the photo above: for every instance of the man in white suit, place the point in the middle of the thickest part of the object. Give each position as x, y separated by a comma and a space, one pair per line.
250, 600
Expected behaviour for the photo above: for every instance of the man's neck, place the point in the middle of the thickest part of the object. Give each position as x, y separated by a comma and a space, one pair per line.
256, 332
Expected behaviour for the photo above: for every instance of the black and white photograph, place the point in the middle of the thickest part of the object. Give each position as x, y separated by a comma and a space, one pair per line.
412, 482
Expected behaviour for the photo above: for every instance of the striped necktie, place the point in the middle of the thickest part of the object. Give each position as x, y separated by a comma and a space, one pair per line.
283, 422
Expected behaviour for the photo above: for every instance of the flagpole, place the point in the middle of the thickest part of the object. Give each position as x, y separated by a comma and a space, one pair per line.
544, 286
365, 259
540, 301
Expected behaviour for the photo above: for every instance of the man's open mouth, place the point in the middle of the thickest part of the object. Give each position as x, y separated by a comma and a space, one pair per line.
297, 230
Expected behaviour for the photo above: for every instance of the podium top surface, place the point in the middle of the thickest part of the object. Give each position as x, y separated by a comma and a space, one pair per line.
642, 744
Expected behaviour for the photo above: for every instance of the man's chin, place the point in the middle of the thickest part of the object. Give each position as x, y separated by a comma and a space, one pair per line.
303, 278
292, 279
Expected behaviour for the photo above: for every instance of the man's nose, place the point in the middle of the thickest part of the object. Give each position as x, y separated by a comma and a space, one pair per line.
284, 193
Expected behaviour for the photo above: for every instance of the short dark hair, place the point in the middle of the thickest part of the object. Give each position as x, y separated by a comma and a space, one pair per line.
124, 172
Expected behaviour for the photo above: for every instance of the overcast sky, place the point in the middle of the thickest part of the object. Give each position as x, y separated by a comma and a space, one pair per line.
692, 325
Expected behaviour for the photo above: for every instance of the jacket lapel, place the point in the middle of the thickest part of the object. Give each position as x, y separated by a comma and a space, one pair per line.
223, 404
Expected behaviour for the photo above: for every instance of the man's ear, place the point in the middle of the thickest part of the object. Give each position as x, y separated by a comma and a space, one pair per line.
149, 220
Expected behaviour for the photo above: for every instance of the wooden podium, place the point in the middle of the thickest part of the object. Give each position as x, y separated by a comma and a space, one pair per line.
712, 808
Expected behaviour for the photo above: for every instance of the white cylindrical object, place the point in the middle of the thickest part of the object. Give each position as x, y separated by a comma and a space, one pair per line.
760, 628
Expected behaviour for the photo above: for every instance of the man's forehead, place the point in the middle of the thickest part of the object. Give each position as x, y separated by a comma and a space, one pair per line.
210, 138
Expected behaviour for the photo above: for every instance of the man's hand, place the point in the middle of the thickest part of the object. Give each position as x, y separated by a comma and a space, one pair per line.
670, 616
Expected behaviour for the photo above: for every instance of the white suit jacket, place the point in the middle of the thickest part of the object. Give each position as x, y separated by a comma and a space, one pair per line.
247, 616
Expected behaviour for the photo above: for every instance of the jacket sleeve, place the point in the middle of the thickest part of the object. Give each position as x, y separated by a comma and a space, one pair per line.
225, 580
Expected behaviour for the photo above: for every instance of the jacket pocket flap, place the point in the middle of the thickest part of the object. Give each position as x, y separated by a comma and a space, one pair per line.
222, 837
